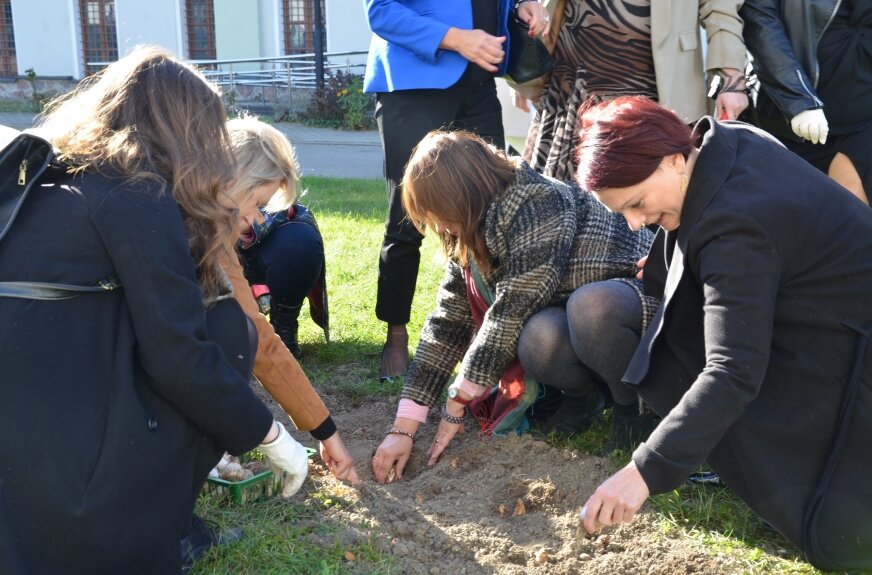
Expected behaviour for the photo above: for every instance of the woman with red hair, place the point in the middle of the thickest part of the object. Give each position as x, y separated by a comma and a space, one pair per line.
758, 359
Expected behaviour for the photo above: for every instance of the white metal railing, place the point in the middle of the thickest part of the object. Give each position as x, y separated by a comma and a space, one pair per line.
293, 71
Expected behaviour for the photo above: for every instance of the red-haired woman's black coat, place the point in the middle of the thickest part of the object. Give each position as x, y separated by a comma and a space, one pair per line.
764, 326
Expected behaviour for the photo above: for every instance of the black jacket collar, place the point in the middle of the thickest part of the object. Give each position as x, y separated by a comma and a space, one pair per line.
717, 155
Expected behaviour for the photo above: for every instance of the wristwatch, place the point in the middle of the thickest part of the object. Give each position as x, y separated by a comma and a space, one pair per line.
454, 394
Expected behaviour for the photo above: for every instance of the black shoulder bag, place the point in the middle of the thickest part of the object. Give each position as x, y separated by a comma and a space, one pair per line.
528, 58
22, 162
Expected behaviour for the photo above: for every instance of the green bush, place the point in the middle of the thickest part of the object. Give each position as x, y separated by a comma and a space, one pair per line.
341, 103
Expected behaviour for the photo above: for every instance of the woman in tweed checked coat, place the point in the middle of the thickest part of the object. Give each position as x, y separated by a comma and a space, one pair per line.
540, 250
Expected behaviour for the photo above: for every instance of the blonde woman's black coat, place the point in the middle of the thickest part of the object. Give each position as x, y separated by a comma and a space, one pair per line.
759, 358
112, 405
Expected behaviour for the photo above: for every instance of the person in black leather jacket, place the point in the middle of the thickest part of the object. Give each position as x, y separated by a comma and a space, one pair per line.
812, 59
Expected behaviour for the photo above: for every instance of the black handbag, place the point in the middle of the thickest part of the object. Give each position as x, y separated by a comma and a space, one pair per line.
23, 160
528, 58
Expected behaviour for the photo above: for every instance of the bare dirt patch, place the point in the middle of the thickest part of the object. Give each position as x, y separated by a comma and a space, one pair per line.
504, 505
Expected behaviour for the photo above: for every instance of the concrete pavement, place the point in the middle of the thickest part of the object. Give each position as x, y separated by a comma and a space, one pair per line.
320, 151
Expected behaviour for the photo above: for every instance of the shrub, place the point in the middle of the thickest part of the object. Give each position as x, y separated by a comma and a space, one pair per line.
341, 103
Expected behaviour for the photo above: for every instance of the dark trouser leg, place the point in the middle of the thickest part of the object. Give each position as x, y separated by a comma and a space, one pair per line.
547, 356
404, 118
605, 323
289, 262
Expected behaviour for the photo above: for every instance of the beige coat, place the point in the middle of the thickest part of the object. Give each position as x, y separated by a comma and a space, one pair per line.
678, 54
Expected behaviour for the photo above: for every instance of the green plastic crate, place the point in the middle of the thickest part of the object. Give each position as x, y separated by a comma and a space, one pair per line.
261, 486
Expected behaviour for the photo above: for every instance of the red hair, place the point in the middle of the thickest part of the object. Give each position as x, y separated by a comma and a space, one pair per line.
622, 142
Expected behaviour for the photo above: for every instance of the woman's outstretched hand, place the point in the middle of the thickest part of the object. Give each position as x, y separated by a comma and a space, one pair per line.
444, 434
616, 500
395, 450
338, 459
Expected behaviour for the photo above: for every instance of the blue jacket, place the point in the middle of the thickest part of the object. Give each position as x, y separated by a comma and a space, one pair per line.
404, 53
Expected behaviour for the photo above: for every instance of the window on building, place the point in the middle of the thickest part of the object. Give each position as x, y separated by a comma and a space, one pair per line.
299, 26
99, 37
200, 17
8, 62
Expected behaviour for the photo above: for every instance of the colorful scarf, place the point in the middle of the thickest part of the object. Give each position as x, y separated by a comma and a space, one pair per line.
504, 409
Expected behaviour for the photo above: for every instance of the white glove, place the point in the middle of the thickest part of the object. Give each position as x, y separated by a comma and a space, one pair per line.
285, 454
811, 125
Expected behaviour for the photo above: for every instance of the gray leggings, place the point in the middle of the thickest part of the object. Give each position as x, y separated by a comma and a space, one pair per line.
588, 343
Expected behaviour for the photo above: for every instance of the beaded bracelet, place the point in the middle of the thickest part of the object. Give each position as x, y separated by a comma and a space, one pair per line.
452, 418
395, 431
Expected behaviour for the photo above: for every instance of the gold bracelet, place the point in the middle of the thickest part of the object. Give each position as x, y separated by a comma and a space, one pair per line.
395, 431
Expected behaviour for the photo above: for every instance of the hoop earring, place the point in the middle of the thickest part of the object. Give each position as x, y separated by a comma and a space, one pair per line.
684, 182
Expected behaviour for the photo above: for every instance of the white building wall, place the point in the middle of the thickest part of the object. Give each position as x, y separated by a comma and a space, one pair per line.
347, 30
157, 22
270, 26
236, 29
47, 34
46, 37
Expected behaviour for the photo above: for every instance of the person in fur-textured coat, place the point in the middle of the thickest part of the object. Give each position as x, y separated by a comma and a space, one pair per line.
530, 254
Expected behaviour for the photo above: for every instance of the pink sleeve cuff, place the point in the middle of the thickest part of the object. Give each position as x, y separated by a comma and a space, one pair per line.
411, 410
472, 389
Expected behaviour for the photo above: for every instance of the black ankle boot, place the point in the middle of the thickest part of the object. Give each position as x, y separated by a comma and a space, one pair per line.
629, 428
203, 535
284, 320
576, 413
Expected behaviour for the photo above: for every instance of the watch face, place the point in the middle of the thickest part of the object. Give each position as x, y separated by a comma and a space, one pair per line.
452, 392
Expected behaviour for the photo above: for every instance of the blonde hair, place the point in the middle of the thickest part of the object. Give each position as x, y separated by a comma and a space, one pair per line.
150, 116
263, 154
453, 178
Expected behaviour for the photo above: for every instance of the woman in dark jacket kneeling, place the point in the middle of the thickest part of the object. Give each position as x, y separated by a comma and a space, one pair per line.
116, 404
758, 359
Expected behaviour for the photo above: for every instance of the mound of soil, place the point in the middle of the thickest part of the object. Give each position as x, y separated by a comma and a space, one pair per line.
505, 505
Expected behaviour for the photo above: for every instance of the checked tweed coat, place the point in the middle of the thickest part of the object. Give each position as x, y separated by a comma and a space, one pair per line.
546, 239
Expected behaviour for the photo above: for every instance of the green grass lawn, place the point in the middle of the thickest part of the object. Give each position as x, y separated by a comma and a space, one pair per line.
294, 537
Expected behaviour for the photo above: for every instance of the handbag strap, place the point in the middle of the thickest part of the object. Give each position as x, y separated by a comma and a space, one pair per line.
52, 291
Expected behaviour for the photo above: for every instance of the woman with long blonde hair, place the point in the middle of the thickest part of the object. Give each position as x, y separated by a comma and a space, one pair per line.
279, 242
521, 302
120, 402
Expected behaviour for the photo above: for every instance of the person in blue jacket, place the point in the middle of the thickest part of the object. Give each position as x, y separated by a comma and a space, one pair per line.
432, 65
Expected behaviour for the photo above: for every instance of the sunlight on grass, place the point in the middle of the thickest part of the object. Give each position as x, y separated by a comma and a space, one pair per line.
722, 523
288, 537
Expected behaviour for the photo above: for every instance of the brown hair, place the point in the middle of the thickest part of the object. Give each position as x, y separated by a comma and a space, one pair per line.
263, 154
622, 142
453, 178
151, 116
